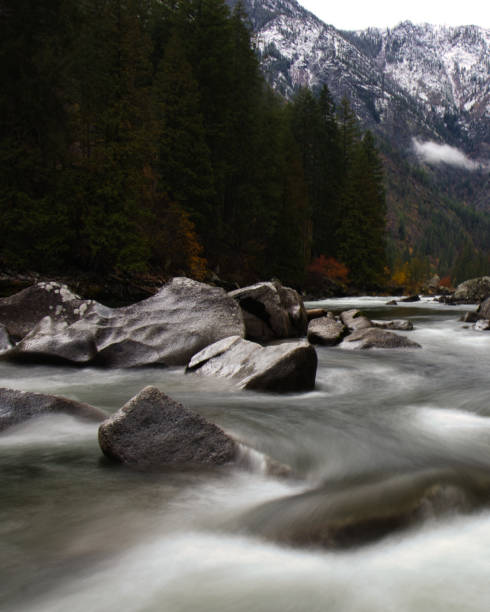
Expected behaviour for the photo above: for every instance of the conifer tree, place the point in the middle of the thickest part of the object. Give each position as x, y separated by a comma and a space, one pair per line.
184, 163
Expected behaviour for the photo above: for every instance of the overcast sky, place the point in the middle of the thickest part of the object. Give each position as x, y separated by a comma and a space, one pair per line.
360, 14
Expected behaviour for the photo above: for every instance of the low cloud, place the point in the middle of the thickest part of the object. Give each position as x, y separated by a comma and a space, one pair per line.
435, 154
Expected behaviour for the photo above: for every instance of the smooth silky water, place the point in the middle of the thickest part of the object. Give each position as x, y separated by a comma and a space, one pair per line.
81, 535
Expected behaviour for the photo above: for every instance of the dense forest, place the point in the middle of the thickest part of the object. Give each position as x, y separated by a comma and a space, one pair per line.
139, 137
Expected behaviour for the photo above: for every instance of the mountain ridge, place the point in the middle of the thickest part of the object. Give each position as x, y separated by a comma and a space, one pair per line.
424, 90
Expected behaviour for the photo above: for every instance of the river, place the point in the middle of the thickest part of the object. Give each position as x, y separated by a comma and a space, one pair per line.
81, 535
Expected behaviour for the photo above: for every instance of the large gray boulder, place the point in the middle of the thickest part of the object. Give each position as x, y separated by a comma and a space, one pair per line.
473, 290
326, 331
285, 367
167, 328
271, 311
378, 338
354, 320
23, 310
350, 514
153, 431
19, 406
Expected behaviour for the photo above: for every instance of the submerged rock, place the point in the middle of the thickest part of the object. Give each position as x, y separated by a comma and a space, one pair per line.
326, 331
271, 311
19, 406
284, 367
167, 328
379, 338
345, 515
153, 431
411, 298
397, 324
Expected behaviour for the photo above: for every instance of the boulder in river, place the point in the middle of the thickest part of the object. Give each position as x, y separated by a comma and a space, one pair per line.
284, 367
326, 331
21, 312
471, 291
271, 311
411, 298
378, 338
19, 406
153, 431
167, 328
355, 320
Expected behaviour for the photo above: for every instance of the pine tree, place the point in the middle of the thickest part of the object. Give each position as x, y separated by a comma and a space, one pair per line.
184, 163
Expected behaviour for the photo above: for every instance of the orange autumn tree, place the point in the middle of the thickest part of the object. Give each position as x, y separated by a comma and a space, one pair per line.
326, 270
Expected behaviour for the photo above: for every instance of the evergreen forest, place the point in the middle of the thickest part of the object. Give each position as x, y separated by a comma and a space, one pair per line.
139, 137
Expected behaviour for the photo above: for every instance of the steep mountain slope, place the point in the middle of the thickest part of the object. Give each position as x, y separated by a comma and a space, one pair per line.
411, 84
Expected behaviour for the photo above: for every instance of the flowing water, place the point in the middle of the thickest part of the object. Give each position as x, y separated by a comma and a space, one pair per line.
78, 534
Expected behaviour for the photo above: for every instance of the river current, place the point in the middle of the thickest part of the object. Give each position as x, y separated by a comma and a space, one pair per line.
81, 535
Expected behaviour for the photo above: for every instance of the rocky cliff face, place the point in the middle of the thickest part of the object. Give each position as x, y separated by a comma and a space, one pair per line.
423, 81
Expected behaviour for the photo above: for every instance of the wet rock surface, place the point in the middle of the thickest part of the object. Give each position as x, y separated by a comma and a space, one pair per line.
167, 329
326, 331
283, 367
271, 311
153, 431
378, 338
19, 406
354, 320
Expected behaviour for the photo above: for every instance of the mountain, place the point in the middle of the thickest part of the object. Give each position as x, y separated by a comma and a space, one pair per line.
427, 80
424, 90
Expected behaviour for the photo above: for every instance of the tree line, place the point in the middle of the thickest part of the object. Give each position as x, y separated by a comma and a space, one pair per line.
138, 135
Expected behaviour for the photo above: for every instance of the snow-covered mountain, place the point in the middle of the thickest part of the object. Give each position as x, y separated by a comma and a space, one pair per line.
413, 81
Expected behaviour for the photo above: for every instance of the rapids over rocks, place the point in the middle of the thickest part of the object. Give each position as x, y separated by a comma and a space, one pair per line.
399, 434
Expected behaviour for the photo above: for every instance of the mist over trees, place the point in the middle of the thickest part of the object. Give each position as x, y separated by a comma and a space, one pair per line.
138, 136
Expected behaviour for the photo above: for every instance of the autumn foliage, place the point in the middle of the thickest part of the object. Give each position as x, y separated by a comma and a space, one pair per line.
324, 269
